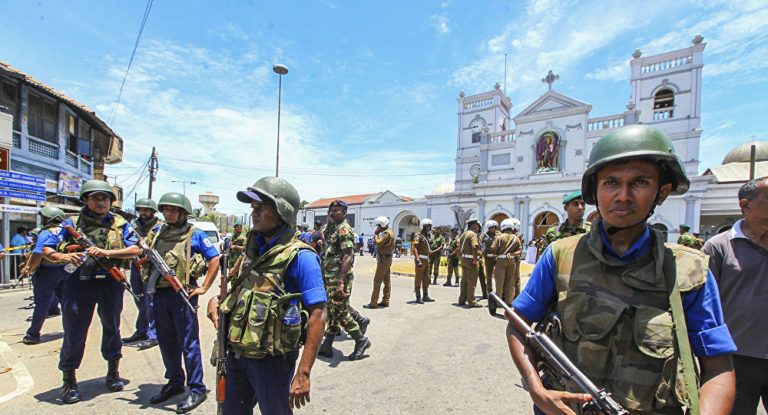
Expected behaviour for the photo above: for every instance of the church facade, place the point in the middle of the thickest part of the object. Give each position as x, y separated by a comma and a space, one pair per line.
522, 165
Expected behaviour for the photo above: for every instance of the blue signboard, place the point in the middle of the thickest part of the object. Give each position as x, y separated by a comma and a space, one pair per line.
21, 195
22, 177
26, 187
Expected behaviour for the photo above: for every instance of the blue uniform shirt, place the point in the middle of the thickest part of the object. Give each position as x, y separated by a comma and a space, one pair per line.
303, 273
707, 332
200, 244
49, 237
19, 240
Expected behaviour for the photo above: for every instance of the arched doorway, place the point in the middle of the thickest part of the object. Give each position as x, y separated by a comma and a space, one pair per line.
407, 227
500, 216
542, 222
661, 228
593, 216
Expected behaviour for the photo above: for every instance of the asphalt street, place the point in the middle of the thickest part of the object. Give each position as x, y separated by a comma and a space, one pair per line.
435, 358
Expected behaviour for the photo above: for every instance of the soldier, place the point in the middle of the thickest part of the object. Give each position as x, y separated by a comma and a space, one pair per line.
686, 239
615, 295
88, 286
238, 241
436, 245
385, 243
421, 252
339, 257
469, 247
47, 277
489, 258
316, 241
261, 361
507, 248
573, 204
145, 332
453, 258
185, 249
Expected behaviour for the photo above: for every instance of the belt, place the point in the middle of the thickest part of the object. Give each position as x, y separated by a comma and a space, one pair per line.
468, 256
424, 256
490, 255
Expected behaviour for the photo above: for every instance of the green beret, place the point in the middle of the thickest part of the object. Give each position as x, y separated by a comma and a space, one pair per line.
684, 226
571, 196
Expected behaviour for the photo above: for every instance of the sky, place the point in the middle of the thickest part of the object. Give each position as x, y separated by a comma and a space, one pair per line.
369, 103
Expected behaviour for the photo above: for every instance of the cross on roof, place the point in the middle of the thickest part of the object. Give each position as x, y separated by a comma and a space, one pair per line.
550, 79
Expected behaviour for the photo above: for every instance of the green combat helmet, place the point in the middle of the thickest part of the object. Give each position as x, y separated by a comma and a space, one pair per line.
94, 186
146, 203
51, 212
278, 191
634, 142
175, 199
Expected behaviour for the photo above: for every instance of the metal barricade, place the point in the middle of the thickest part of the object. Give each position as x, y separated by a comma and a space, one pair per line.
14, 278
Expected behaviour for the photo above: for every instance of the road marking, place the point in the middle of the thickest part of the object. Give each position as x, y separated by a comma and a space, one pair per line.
24, 381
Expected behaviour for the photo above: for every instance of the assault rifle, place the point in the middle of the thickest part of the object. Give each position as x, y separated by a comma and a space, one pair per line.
220, 358
557, 364
162, 269
83, 243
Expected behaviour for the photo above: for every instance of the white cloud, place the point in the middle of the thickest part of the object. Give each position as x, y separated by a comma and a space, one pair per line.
440, 22
616, 72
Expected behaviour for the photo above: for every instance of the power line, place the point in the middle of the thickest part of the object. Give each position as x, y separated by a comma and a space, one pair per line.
130, 61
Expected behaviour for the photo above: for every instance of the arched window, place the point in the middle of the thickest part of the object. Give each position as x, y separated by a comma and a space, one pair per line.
663, 99
542, 222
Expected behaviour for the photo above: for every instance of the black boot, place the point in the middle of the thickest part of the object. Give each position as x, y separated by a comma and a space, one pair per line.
447, 282
434, 280
427, 298
418, 296
361, 345
326, 349
492, 306
113, 378
363, 322
69, 393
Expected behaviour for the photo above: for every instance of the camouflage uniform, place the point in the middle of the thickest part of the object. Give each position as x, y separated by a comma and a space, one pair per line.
563, 231
437, 241
686, 239
453, 261
489, 259
239, 239
340, 237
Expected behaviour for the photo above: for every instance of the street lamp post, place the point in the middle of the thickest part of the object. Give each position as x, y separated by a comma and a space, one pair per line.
183, 185
281, 70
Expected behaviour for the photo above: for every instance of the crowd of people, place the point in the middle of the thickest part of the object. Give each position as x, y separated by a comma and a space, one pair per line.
661, 326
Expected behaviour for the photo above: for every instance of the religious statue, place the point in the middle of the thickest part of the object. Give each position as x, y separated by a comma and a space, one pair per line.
547, 151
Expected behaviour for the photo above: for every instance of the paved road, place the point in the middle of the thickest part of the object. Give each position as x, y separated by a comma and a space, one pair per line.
426, 359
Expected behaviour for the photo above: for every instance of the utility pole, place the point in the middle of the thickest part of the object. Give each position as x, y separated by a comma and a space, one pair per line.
152, 170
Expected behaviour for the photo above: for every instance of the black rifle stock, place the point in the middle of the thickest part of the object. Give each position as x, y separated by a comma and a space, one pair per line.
559, 365
220, 358
162, 269
103, 263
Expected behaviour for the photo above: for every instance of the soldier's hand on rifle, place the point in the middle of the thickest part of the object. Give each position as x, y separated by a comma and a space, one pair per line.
299, 394
196, 291
555, 402
97, 252
213, 311
72, 258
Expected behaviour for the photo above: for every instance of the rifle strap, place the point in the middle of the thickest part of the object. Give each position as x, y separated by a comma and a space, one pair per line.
189, 255
681, 336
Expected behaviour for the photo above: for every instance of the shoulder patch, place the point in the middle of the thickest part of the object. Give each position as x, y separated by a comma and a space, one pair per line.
207, 242
692, 266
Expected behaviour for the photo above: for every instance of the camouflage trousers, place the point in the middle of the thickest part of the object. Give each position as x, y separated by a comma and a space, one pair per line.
453, 268
434, 266
339, 310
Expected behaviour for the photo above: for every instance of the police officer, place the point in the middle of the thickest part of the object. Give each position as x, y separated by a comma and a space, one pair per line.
185, 249
145, 332
238, 241
385, 244
507, 249
47, 276
469, 247
453, 258
436, 245
260, 366
486, 240
573, 204
421, 252
687, 239
337, 265
617, 292
89, 286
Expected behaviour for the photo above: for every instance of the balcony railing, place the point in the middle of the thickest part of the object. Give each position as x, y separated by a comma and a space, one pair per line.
70, 159
17, 139
477, 104
42, 148
662, 114
502, 137
605, 123
85, 167
670, 63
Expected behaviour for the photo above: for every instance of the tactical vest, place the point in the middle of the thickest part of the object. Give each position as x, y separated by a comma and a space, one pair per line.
105, 235
614, 319
386, 248
175, 247
257, 302
143, 228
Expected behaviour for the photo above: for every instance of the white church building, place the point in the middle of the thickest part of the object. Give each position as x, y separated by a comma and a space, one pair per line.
522, 165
